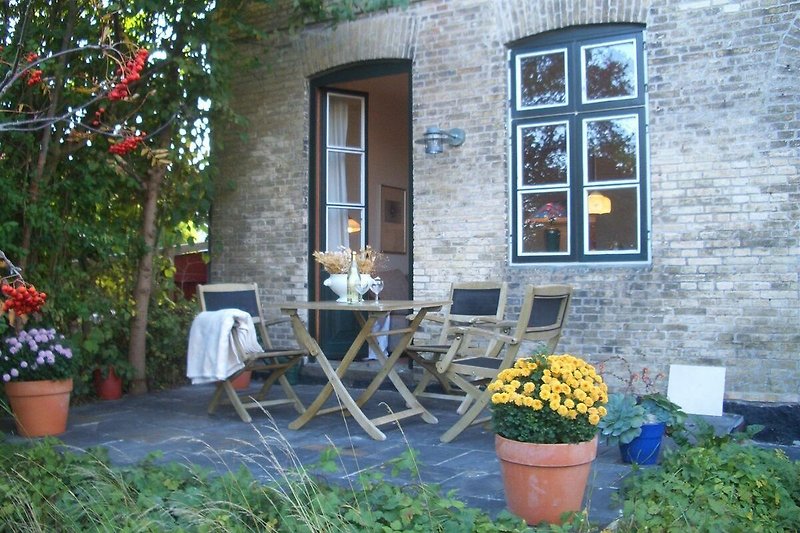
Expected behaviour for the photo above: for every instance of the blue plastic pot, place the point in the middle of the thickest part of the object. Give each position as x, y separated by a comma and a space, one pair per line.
645, 448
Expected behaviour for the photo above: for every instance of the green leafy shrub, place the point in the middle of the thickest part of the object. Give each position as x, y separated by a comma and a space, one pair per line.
48, 489
719, 486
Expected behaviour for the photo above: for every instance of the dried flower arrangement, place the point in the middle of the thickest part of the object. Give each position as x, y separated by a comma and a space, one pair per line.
338, 262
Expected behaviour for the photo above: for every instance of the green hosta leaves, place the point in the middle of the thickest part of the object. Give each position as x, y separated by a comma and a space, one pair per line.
624, 419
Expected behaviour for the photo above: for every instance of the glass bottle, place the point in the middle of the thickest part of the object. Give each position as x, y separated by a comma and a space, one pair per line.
353, 281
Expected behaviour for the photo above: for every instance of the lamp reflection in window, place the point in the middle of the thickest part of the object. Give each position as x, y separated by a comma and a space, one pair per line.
353, 226
597, 204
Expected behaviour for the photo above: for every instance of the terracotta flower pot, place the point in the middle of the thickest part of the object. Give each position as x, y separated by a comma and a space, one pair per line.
242, 381
542, 481
40, 407
108, 387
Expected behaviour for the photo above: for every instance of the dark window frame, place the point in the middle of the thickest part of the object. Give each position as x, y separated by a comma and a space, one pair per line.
574, 112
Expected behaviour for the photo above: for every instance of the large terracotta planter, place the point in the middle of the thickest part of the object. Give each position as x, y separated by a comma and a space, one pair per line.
40, 407
542, 481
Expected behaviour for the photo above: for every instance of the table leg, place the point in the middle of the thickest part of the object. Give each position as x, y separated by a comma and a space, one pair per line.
387, 370
334, 379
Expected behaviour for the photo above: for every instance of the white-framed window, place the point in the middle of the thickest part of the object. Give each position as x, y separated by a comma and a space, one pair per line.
579, 181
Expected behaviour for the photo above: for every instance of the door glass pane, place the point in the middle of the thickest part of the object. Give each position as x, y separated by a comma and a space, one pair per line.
345, 121
613, 220
542, 79
544, 228
344, 178
543, 154
345, 228
611, 149
609, 71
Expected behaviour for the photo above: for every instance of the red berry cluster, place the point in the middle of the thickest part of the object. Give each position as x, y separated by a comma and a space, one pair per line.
128, 74
24, 299
126, 145
33, 76
98, 116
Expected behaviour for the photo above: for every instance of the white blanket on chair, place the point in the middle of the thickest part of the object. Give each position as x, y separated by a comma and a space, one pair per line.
211, 355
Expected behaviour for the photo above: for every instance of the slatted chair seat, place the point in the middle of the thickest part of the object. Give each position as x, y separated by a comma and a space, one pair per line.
472, 302
275, 361
542, 316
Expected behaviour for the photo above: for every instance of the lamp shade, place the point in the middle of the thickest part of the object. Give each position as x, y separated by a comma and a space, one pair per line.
353, 226
598, 204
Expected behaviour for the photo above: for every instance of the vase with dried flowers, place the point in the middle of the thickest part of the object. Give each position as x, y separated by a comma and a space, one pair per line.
545, 413
36, 364
337, 263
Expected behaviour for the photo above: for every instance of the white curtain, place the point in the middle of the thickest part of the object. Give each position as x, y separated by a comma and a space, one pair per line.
337, 174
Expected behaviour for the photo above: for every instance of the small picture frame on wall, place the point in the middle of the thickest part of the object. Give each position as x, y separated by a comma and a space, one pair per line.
393, 220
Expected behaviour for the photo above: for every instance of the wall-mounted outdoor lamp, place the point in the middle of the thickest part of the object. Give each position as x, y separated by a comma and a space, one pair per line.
435, 138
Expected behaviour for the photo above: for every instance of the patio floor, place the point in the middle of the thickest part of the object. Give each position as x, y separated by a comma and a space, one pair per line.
175, 423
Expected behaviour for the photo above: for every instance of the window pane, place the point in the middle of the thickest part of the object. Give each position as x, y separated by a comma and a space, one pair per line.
544, 154
542, 79
613, 219
611, 149
344, 121
344, 178
610, 71
544, 227
344, 228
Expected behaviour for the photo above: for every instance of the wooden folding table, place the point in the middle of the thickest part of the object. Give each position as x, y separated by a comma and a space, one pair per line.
367, 313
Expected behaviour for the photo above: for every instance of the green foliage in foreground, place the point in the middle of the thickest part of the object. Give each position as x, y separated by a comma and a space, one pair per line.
45, 488
720, 486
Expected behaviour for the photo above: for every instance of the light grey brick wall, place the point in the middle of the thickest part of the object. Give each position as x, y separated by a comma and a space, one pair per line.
724, 137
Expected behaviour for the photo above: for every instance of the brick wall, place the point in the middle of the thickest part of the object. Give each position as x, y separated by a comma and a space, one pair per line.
724, 124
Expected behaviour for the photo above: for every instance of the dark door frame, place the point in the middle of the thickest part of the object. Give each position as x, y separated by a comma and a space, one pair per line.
317, 84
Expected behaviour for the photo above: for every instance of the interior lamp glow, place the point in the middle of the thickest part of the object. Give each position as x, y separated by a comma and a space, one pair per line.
353, 226
598, 204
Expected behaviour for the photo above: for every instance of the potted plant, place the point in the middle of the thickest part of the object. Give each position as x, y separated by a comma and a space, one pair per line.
103, 344
36, 363
545, 413
638, 425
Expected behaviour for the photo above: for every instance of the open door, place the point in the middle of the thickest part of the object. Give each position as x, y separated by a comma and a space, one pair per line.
360, 182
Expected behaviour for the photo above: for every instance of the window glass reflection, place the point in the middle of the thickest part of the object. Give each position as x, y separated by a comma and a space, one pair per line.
544, 156
542, 79
609, 71
344, 178
611, 149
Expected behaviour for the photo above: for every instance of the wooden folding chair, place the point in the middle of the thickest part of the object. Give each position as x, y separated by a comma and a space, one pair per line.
471, 302
275, 361
541, 319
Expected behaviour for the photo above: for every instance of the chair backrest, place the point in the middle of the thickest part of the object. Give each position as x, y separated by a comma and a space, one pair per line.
474, 299
544, 313
244, 296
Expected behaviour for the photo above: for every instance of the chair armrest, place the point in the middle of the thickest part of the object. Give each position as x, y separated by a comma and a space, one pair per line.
274, 321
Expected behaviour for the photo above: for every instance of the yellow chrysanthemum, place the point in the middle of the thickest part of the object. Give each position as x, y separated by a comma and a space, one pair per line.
594, 419
537, 405
562, 410
528, 401
569, 403
581, 408
529, 387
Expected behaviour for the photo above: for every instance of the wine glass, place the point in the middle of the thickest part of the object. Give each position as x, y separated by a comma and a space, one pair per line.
376, 287
362, 289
